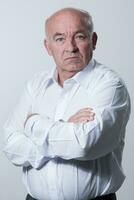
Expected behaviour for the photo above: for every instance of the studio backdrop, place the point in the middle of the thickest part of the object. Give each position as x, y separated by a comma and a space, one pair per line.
22, 54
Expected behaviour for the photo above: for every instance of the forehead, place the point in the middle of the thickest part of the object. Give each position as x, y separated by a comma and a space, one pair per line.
66, 21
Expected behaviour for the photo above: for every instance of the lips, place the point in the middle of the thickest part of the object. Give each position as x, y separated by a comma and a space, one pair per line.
72, 58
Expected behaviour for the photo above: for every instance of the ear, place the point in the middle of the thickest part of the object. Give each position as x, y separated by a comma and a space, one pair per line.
47, 46
94, 40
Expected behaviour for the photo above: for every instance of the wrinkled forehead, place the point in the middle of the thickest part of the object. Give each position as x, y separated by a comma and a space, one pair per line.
63, 21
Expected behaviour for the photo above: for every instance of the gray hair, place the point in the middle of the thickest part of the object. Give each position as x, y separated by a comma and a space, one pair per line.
86, 16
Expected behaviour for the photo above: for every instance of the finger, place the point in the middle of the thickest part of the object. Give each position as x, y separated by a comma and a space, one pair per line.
83, 118
80, 117
84, 113
85, 109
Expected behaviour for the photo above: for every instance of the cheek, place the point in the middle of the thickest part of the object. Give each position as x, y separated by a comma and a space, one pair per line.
57, 55
56, 52
85, 49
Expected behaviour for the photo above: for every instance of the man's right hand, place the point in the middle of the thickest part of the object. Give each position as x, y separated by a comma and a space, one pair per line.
82, 116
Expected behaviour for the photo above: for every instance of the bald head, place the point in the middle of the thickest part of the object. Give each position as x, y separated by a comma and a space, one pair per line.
83, 15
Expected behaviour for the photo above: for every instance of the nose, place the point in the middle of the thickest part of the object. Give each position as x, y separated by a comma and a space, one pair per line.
71, 46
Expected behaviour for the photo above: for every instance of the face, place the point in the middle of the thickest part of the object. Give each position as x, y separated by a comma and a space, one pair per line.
69, 43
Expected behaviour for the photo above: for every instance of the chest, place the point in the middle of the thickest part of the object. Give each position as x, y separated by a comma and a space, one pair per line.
59, 103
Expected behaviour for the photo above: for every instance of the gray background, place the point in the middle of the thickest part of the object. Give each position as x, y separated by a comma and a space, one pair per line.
22, 55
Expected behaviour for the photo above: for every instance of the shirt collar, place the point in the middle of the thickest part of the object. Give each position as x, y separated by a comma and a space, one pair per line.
52, 76
80, 77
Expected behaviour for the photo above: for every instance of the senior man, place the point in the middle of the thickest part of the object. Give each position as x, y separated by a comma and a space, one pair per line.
68, 129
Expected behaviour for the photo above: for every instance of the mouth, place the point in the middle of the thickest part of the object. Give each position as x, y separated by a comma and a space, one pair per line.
72, 58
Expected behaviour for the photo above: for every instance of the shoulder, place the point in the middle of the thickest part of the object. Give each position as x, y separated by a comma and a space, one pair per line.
105, 74
109, 87
37, 82
106, 81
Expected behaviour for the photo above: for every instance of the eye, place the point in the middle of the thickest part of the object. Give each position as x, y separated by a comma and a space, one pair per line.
80, 37
60, 39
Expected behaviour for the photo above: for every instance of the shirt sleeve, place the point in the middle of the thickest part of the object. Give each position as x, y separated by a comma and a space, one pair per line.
18, 147
90, 140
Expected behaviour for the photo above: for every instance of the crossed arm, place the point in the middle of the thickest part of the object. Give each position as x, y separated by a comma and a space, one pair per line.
82, 116
87, 135
25, 150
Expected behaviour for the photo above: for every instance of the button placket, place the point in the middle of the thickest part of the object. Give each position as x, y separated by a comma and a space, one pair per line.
62, 102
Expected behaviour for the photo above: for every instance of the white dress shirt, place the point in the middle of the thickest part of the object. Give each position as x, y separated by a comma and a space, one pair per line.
70, 161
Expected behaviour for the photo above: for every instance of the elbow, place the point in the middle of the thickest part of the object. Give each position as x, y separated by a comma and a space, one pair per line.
15, 159
98, 143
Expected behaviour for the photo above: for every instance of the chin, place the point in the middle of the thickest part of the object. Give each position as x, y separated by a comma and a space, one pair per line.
77, 68
73, 67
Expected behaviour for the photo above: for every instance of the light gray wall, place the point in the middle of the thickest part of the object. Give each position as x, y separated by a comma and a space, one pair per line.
22, 54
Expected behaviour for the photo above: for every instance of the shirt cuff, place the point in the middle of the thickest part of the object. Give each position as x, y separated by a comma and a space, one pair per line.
37, 128
30, 124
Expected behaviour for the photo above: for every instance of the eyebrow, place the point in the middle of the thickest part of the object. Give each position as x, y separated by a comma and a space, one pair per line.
58, 34
82, 32
63, 34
